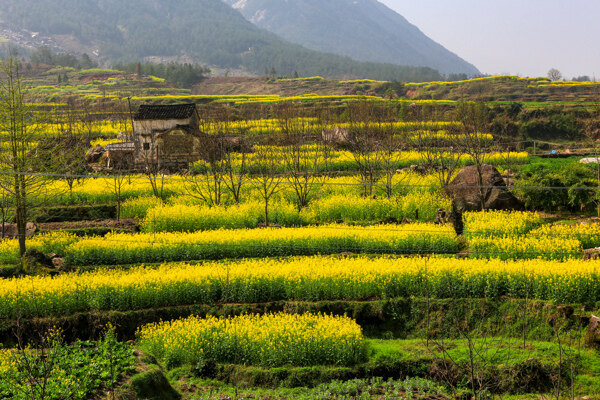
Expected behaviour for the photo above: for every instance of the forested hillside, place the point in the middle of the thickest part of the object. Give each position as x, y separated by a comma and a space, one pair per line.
365, 30
202, 31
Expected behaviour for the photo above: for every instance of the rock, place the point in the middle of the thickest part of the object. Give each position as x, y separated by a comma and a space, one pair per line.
466, 196
590, 160
566, 311
337, 135
582, 320
214, 148
237, 144
30, 229
441, 217
35, 262
58, 263
94, 154
591, 254
11, 232
592, 336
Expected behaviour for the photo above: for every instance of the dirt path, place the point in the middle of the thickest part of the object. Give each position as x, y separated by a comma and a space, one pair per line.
125, 223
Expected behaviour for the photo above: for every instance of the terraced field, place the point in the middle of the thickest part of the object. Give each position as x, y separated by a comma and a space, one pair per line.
299, 271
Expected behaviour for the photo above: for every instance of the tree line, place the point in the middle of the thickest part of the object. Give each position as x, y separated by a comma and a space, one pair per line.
183, 75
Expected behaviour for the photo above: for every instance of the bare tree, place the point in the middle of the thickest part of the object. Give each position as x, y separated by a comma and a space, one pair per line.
442, 155
390, 147
20, 163
485, 347
64, 154
207, 185
153, 172
36, 363
365, 143
234, 174
554, 74
226, 169
473, 123
115, 183
266, 177
302, 160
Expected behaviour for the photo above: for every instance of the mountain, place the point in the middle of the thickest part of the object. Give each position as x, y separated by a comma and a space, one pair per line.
362, 29
200, 31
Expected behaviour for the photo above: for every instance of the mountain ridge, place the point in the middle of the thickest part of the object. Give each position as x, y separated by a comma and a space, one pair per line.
201, 31
360, 29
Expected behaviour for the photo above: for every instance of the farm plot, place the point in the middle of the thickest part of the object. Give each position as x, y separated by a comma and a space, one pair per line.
315, 278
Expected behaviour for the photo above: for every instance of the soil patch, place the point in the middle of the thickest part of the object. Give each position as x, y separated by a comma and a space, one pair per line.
124, 223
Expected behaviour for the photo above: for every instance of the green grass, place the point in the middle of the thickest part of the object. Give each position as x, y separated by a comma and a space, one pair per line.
508, 351
505, 363
502, 351
552, 164
410, 388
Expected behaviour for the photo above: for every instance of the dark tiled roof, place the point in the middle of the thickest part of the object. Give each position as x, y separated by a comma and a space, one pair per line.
162, 112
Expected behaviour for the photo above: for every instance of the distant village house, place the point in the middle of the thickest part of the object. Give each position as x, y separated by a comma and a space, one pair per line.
166, 137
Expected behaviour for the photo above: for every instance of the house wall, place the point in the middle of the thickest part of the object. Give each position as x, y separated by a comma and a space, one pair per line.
178, 147
173, 150
144, 154
120, 159
147, 126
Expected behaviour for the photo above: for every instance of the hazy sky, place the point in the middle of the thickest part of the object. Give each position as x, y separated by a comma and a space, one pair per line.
526, 37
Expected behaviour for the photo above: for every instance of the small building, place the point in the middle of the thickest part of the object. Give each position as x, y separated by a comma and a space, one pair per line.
167, 137
120, 156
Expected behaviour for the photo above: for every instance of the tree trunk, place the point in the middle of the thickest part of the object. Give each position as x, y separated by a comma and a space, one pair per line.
21, 213
119, 208
266, 212
481, 188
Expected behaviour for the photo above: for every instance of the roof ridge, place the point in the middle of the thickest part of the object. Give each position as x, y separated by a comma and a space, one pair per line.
165, 111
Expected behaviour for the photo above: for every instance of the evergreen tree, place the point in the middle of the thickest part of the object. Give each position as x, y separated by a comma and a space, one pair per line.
86, 62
